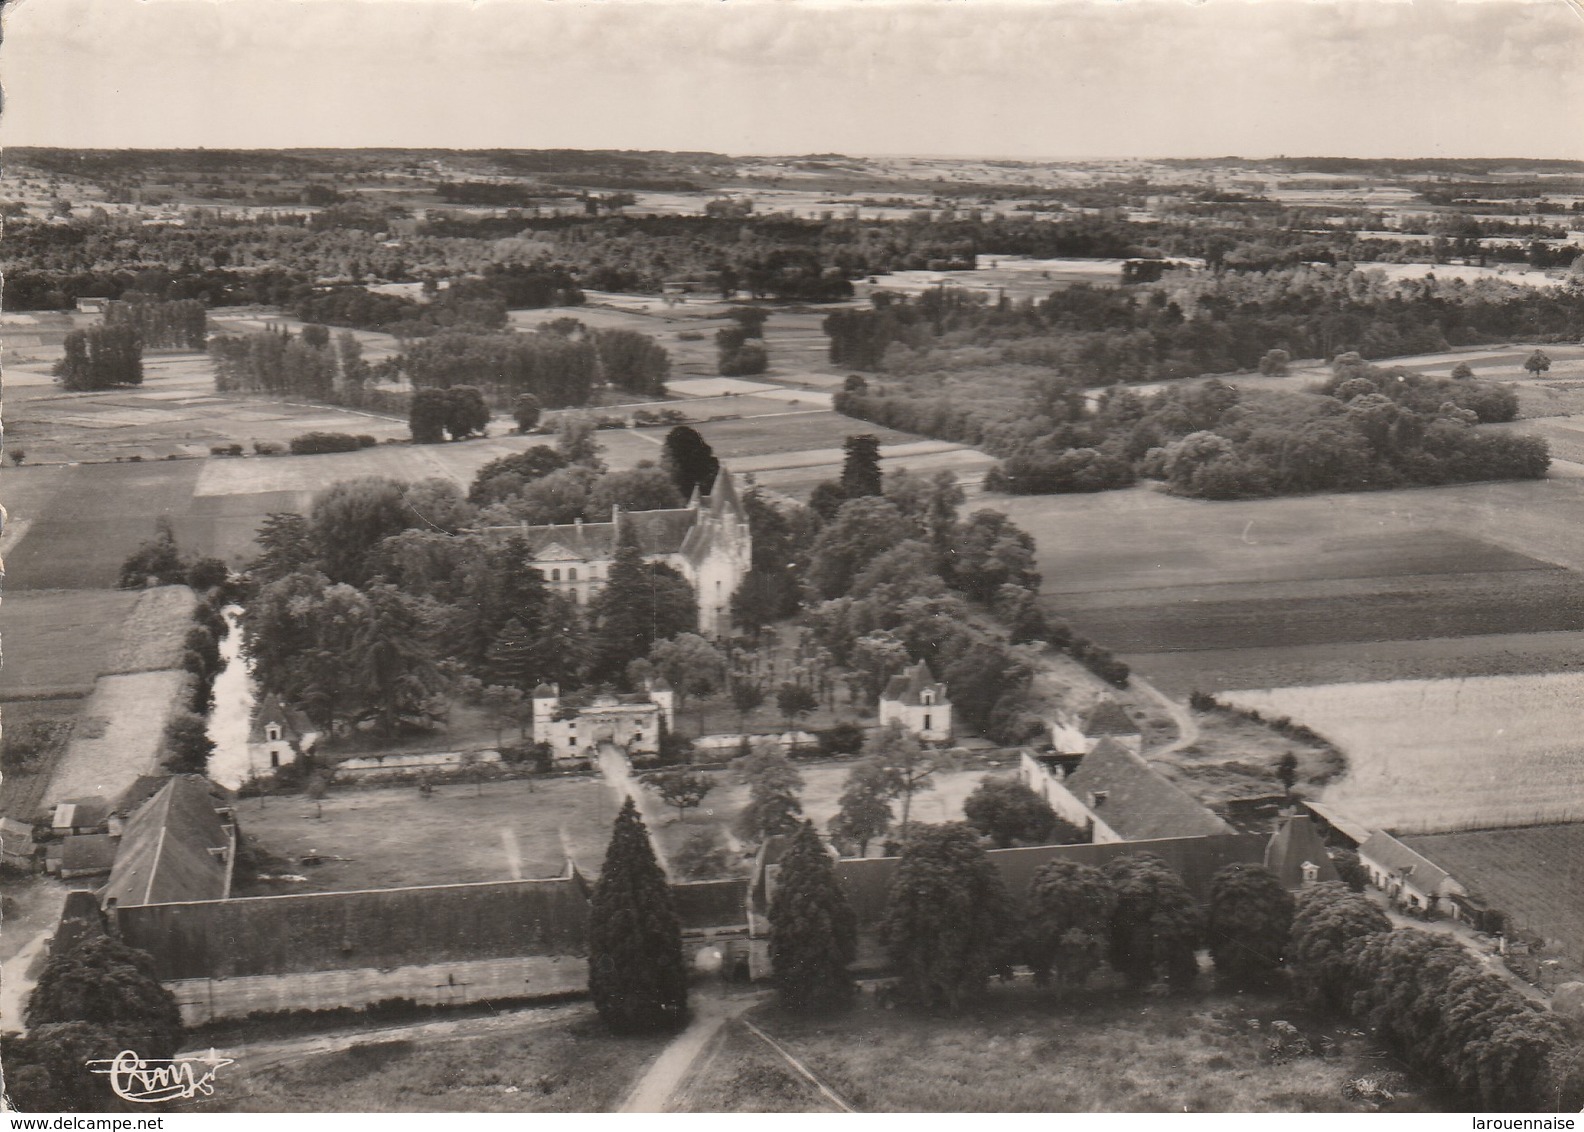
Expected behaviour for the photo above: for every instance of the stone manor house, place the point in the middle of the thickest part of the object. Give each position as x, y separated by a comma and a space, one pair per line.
707, 542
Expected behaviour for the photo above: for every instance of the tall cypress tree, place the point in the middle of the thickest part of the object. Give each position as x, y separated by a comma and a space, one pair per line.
511, 659
860, 474
813, 932
623, 609
637, 977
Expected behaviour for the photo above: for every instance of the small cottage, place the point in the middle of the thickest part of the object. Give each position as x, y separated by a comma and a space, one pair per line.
917, 702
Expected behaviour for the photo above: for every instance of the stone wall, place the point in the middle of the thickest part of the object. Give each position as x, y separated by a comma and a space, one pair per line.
207, 1000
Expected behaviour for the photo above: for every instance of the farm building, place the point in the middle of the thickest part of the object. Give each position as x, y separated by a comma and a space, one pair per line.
277, 737
919, 704
631, 722
178, 846
707, 542
1409, 878
1117, 794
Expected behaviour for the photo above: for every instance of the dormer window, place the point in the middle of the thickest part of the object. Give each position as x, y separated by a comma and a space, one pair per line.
928, 698
273, 733
1098, 799
1311, 872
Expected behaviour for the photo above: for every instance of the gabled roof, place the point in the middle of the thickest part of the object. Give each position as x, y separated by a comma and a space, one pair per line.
165, 849
1107, 718
1395, 857
1293, 843
660, 532
910, 685
1140, 803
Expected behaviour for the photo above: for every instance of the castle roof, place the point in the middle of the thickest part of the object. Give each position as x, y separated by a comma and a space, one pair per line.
909, 686
711, 903
1139, 803
1295, 842
1107, 718
166, 849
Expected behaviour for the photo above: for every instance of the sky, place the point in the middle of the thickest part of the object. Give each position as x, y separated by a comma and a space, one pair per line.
1007, 78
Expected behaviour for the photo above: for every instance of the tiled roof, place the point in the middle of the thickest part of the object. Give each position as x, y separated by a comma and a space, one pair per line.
87, 853
1108, 718
165, 849
909, 686
1392, 855
1139, 803
293, 724
1291, 845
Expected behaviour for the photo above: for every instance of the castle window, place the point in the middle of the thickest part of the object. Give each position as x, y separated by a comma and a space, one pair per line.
572, 574
927, 726
571, 740
555, 575
274, 759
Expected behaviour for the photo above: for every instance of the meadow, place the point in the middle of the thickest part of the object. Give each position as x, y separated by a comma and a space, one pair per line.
1028, 1051
1427, 756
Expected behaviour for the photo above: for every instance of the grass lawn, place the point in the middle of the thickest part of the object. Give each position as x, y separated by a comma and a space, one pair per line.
568, 1064
1025, 1051
1443, 755
395, 836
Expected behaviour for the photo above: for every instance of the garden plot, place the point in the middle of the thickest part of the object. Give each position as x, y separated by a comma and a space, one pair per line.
1428, 756
57, 643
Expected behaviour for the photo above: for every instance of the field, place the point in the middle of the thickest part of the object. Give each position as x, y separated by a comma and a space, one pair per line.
393, 835
1025, 1052
75, 513
45, 635
118, 734
1450, 581
1443, 755
553, 1059
1534, 875
1348, 662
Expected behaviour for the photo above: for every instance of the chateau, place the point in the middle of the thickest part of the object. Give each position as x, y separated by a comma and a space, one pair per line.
707, 542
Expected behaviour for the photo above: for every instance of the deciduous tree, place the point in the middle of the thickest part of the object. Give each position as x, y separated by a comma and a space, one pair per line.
1249, 927
1067, 921
1007, 812
773, 784
948, 922
1155, 927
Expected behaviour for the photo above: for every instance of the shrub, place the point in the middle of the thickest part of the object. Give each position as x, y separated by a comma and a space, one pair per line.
365, 440
268, 448
318, 443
